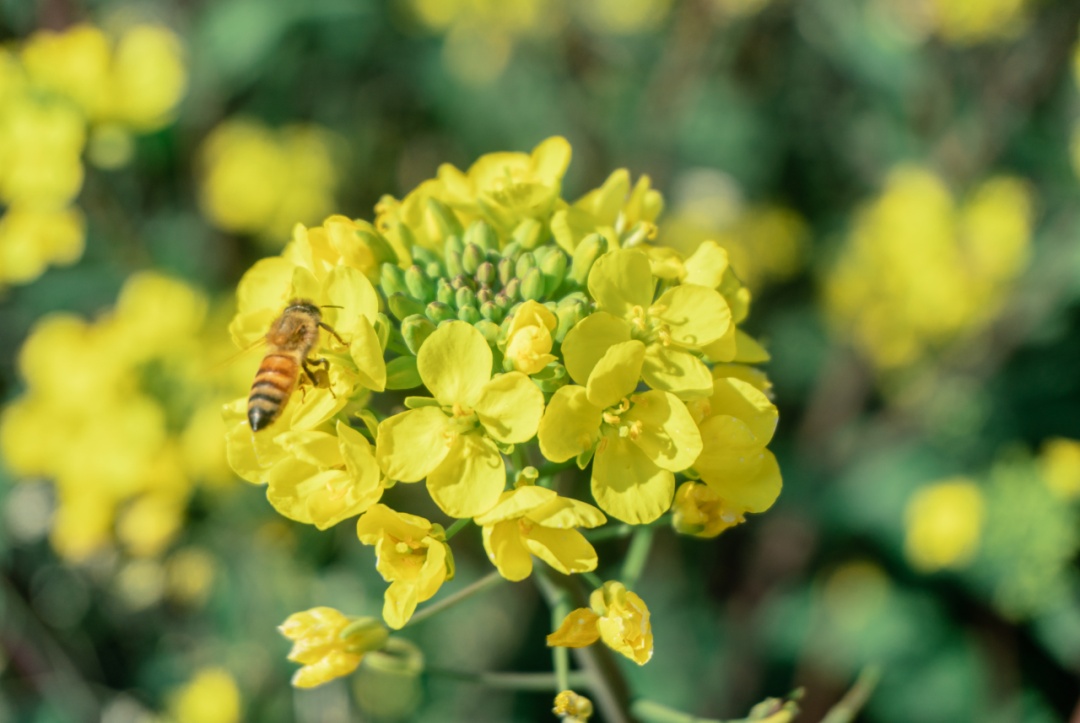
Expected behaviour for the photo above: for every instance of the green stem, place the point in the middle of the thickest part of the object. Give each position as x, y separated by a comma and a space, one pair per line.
457, 527
853, 701
482, 584
541, 682
651, 712
595, 580
623, 530
559, 602
549, 468
636, 556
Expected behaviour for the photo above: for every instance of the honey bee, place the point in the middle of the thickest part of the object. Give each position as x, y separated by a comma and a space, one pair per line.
290, 339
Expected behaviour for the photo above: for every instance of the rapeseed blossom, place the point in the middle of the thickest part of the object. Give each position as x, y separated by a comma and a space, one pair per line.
329, 644
944, 525
616, 616
63, 93
211, 696
489, 336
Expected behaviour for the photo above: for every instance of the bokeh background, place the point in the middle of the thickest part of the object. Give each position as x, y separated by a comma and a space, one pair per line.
896, 180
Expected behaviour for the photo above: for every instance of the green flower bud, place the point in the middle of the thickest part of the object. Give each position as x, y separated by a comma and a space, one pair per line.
392, 280
444, 292
484, 295
380, 248
513, 289
462, 282
524, 263
403, 305
504, 270
415, 329
469, 314
419, 284
587, 252
529, 233
503, 301
464, 297
424, 256
551, 377
471, 258
453, 245
439, 312
401, 373
406, 235
486, 274
453, 263
569, 315
553, 268
434, 270
532, 285
574, 297
439, 215
512, 251
483, 235
387, 686
489, 329
490, 311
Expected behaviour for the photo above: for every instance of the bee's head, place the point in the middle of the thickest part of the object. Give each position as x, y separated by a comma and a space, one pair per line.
304, 306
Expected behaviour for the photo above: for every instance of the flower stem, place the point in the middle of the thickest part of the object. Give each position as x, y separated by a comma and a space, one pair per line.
482, 584
595, 580
652, 712
457, 527
541, 682
636, 556
848, 706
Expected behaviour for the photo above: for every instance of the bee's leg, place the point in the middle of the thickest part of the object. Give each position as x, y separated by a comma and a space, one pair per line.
330, 329
325, 364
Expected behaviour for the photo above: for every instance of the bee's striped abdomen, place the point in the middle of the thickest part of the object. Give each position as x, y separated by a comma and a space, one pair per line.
274, 382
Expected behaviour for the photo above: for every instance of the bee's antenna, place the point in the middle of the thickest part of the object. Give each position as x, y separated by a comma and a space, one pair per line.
330, 306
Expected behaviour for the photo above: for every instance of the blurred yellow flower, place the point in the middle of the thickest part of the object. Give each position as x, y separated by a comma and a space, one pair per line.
622, 17
967, 22
572, 707
212, 696
944, 525
329, 644
616, 616
920, 271
1059, 463
262, 181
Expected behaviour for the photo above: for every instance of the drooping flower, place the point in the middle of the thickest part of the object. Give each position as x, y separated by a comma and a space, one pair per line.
640, 440
572, 707
531, 521
616, 616
674, 329
453, 438
411, 554
329, 644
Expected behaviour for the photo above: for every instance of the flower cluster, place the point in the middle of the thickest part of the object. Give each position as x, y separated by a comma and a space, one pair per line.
122, 416
965, 22
260, 181
60, 94
488, 336
920, 270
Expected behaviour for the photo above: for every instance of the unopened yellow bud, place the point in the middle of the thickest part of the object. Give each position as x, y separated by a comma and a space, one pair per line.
329, 644
572, 708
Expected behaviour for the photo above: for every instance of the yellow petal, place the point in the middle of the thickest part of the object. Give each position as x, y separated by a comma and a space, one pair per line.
616, 375
367, 352
667, 433
470, 478
565, 513
707, 265
627, 484
506, 550
565, 550
746, 402
411, 444
550, 160
695, 315
589, 340
455, 363
510, 407
570, 425
673, 370
577, 630
621, 280
754, 493
399, 603
516, 503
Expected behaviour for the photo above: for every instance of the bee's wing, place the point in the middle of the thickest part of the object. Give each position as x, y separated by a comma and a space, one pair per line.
233, 358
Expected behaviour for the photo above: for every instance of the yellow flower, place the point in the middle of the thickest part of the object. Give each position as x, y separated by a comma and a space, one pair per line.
623, 215
263, 181
329, 644
944, 525
699, 511
640, 440
528, 338
572, 708
1060, 467
411, 553
30, 240
682, 322
148, 77
212, 696
536, 521
40, 147
617, 616
737, 422
73, 63
453, 439
966, 22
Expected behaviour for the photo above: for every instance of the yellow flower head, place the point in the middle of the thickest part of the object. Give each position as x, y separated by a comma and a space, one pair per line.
944, 525
572, 707
616, 616
1059, 463
640, 439
531, 521
411, 554
212, 696
329, 644
460, 429
528, 339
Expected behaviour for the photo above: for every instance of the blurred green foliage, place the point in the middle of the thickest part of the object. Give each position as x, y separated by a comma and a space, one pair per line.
805, 105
